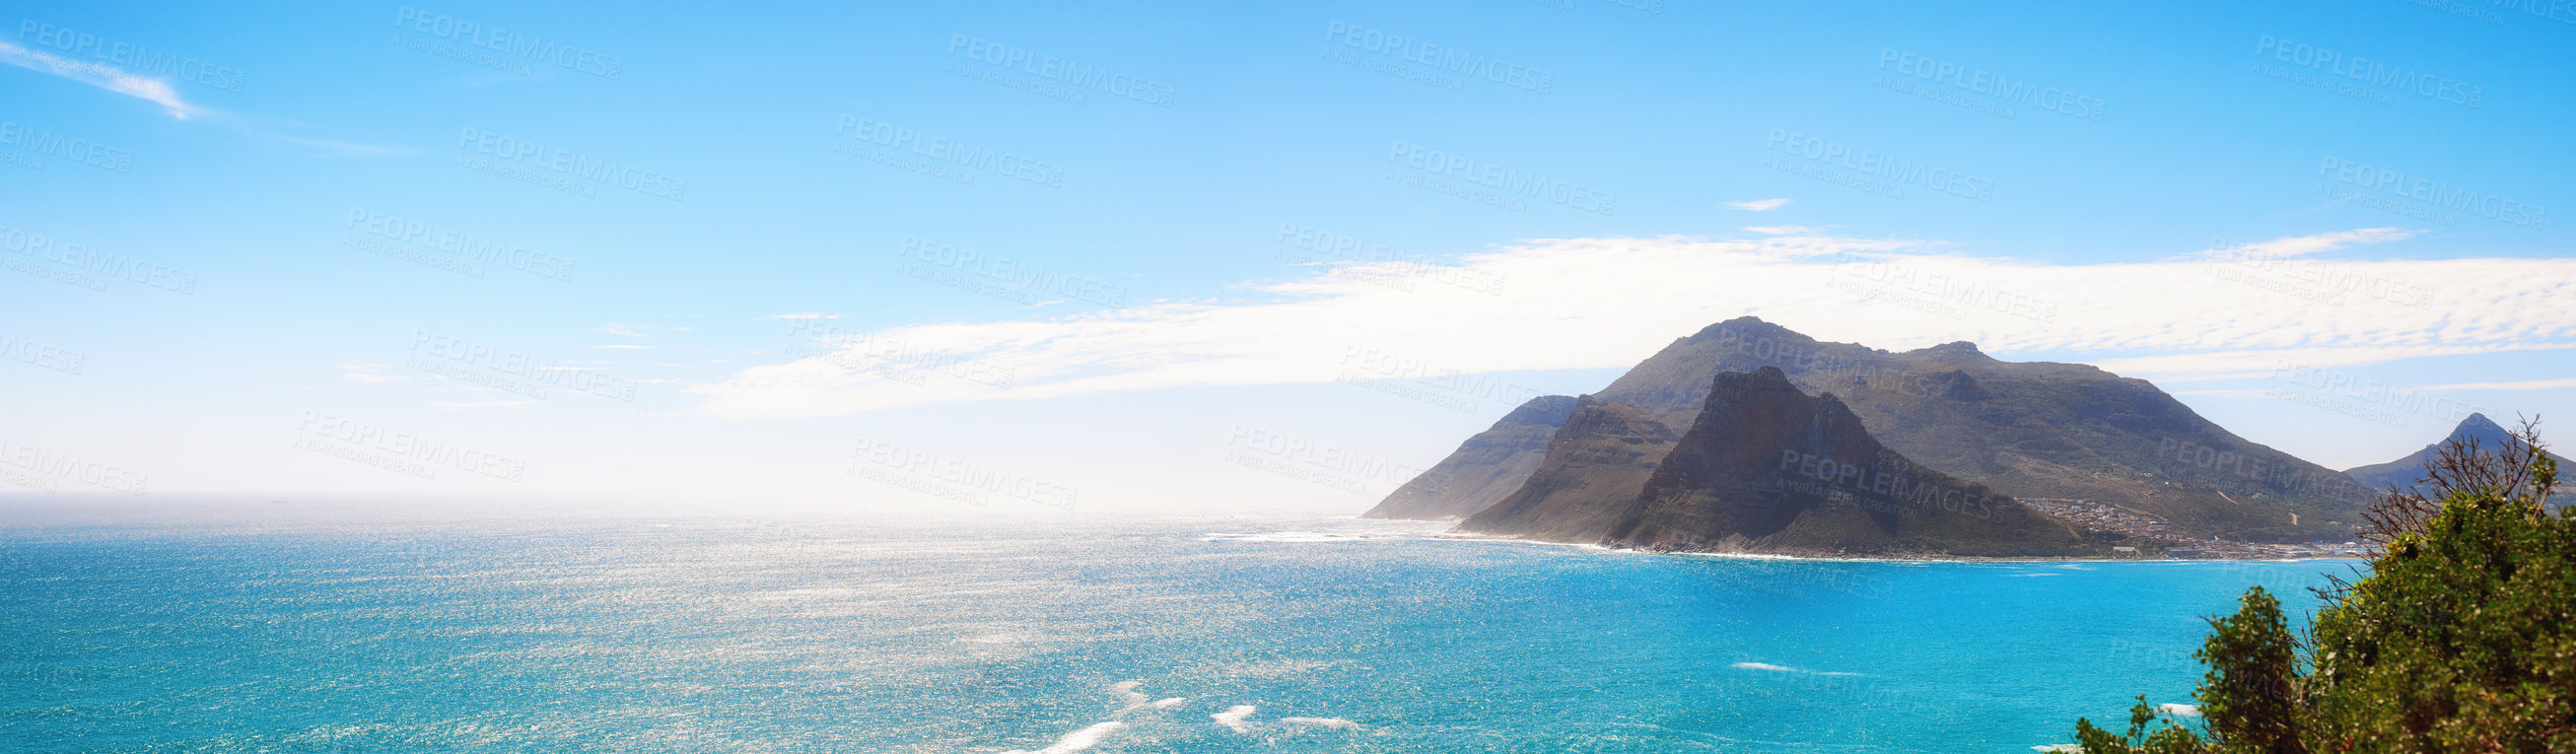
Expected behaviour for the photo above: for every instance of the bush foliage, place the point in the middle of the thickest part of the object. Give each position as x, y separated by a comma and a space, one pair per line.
2462, 638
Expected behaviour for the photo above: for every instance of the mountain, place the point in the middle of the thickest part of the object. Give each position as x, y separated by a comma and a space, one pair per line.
1763, 467
1595, 466
2026, 429
1485, 468
2404, 472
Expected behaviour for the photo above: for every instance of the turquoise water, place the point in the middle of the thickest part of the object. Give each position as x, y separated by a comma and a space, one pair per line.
1132, 636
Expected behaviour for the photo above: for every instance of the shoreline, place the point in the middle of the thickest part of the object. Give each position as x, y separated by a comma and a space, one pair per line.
1454, 534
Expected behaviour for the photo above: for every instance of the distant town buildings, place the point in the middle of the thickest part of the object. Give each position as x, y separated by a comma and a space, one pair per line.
2148, 537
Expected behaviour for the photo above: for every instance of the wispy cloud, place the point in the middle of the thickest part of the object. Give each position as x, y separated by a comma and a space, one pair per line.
2295, 246
1759, 205
103, 76
481, 404
160, 92
2267, 362
1606, 303
2568, 382
370, 374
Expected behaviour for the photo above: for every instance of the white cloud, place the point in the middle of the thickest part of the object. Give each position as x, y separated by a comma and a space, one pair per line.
106, 77
631, 331
2294, 246
1606, 303
2237, 364
481, 404
159, 91
1759, 205
2567, 382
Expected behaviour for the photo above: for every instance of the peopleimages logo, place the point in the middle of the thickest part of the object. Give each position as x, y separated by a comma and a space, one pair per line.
2373, 72
1995, 85
505, 42
30, 459
1446, 60
1062, 71
1016, 275
1873, 163
90, 259
459, 244
135, 59
571, 164
861, 132
2431, 192
1503, 179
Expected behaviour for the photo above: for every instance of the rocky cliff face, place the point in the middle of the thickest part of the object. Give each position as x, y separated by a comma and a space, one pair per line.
1593, 469
1486, 468
1767, 468
2026, 429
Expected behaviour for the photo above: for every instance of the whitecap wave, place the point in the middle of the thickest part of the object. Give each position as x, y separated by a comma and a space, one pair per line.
1232, 718
1078, 740
1136, 700
1770, 668
1326, 722
2179, 710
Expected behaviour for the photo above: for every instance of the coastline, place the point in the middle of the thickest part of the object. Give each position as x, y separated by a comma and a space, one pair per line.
1453, 534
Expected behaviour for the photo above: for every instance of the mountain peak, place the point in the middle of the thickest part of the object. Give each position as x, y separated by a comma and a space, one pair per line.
1956, 349
2489, 436
1746, 328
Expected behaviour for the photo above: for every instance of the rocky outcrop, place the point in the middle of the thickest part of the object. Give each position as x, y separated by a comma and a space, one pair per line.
1595, 466
1767, 468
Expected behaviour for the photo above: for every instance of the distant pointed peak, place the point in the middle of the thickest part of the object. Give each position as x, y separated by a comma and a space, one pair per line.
2479, 427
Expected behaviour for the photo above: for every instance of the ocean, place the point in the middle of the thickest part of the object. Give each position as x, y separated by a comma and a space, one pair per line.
1241, 634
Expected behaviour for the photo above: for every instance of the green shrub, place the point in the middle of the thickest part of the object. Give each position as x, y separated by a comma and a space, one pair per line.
2461, 639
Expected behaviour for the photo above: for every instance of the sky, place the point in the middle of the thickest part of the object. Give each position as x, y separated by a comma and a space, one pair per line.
1041, 260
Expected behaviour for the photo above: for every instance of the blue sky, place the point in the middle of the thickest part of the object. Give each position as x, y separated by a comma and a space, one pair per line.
1001, 256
